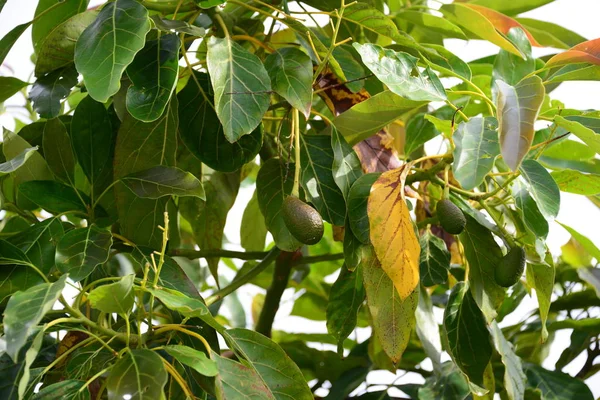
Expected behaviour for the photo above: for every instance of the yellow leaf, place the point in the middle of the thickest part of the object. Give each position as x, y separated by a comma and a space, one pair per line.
392, 233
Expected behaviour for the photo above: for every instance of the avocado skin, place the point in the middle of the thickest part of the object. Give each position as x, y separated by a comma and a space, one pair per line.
303, 221
451, 217
511, 267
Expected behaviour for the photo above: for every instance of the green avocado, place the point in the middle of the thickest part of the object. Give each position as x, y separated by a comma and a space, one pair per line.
511, 267
450, 216
303, 221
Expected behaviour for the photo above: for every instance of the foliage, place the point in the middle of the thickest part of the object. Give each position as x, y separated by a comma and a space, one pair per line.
150, 120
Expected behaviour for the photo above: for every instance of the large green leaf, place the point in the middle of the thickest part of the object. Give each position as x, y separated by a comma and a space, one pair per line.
418, 131
533, 218
585, 128
469, 341
241, 86
279, 373
399, 72
38, 242
346, 166
9, 86
66, 390
576, 182
550, 34
193, 358
48, 91
317, 178
25, 310
57, 49
45, 23
291, 77
53, 196
511, 68
153, 73
542, 187
16, 162
185, 305
514, 377
253, 231
446, 62
58, 152
160, 181
81, 250
434, 261
373, 20
202, 132
393, 318
358, 199
483, 255
433, 23
556, 385
108, 46
476, 150
541, 278
141, 146
368, 117
235, 380
115, 297
428, 329
518, 108
139, 375
272, 185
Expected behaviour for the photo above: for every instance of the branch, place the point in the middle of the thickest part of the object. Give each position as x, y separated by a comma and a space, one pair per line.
241, 255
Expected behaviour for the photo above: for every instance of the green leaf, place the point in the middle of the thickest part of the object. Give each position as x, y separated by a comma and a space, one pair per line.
418, 132
556, 385
53, 196
358, 199
514, 377
569, 150
450, 385
434, 260
469, 341
576, 182
153, 73
542, 187
346, 166
30, 356
202, 132
393, 318
398, 70
483, 255
236, 380
511, 68
433, 23
38, 243
511, 8
44, 24
161, 181
291, 75
139, 375
585, 128
109, 45
371, 19
116, 297
273, 183
549, 34
476, 150
64, 390
518, 108
7, 42
345, 299
241, 86
57, 49
9, 86
279, 373
25, 310
317, 178
15, 163
81, 250
48, 91
533, 218
352, 248
193, 358
446, 62
93, 140
586, 243
541, 278
428, 330
368, 117
58, 151
253, 231
141, 146
185, 305
169, 25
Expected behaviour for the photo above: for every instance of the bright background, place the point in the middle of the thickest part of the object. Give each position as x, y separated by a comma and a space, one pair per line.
580, 16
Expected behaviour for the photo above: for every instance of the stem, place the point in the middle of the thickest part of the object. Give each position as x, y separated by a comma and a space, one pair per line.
221, 23
240, 255
507, 237
180, 381
93, 378
175, 327
316, 259
296, 129
322, 64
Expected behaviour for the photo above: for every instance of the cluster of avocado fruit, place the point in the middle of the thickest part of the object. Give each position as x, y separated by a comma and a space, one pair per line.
511, 266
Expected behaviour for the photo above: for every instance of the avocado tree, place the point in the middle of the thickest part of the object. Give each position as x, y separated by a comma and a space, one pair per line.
398, 191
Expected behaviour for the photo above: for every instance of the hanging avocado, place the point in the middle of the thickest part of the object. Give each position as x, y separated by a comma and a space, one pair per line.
303, 221
450, 216
510, 268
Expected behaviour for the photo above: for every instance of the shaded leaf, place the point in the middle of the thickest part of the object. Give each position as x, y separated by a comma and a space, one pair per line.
346, 167
16, 162
236, 380
53, 196
185, 305
418, 131
434, 261
193, 358
556, 385
541, 278
10, 86
514, 377
352, 248
115, 297
66, 390
161, 181
140, 374
38, 242
253, 231
533, 218
428, 330
585, 52
30, 356
44, 24
451, 385
58, 152
542, 188
592, 277
81, 250
291, 75
35, 168
169, 25
48, 91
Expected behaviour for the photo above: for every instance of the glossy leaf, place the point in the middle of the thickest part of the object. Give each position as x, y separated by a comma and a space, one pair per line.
476, 150
58, 152
53, 196
202, 132
346, 167
25, 310
107, 46
533, 218
44, 24
272, 185
49, 90
57, 48
443, 60
115, 297
542, 187
428, 330
241, 85
371, 19
399, 72
317, 178
193, 358
418, 132
161, 181
576, 182
433, 23
357, 206
185, 305
392, 232
469, 341
556, 385
139, 374
551, 35
66, 390
393, 318
541, 278
434, 261
518, 108
514, 377
585, 128
236, 380
10, 86
81, 250
291, 75
15, 163
586, 52
38, 243
511, 68
153, 73
253, 231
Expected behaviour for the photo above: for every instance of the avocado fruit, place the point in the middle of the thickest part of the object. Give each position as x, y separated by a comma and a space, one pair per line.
510, 268
450, 216
303, 221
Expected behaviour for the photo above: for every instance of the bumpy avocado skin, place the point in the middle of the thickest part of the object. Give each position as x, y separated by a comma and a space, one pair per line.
511, 267
451, 217
303, 221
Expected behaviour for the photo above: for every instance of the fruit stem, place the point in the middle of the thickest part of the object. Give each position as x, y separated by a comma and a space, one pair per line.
446, 188
296, 134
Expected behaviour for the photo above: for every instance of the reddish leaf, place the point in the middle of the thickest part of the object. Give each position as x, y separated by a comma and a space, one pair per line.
501, 22
586, 52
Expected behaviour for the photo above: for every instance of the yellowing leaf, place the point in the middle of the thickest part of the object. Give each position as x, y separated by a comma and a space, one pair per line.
392, 234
